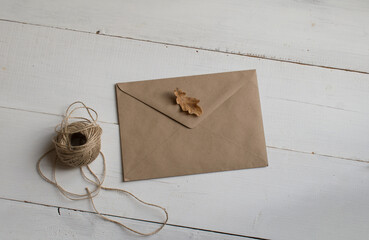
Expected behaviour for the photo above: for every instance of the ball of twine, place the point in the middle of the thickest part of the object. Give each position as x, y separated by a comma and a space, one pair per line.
78, 143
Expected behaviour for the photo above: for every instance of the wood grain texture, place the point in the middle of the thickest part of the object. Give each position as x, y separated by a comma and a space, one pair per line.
305, 108
32, 221
316, 119
328, 33
299, 196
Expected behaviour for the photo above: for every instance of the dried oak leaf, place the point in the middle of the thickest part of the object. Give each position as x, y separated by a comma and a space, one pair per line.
187, 104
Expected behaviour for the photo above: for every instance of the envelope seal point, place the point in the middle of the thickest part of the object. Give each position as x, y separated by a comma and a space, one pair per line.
187, 104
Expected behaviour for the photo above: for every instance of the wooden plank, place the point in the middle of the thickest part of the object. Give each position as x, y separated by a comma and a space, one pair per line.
299, 196
326, 33
305, 108
31, 221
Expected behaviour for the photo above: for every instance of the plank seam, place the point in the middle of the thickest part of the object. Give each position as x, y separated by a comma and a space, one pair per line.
189, 47
268, 146
129, 218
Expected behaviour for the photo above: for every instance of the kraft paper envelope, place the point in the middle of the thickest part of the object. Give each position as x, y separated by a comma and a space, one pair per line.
159, 140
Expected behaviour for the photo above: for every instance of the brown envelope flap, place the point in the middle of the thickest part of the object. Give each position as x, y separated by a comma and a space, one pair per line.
211, 89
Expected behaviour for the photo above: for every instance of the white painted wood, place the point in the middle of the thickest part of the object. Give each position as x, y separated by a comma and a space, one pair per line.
299, 196
30, 221
329, 33
305, 108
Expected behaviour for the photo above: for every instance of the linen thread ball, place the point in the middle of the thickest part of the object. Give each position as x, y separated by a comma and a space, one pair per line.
77, 144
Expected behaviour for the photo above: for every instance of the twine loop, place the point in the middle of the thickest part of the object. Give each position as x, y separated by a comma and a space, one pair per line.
77, 144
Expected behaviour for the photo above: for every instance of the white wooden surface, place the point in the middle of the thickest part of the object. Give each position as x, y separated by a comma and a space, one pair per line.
316, 118
327, 33
70, 224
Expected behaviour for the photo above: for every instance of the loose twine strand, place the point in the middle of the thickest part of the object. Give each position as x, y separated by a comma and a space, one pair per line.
81, 155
